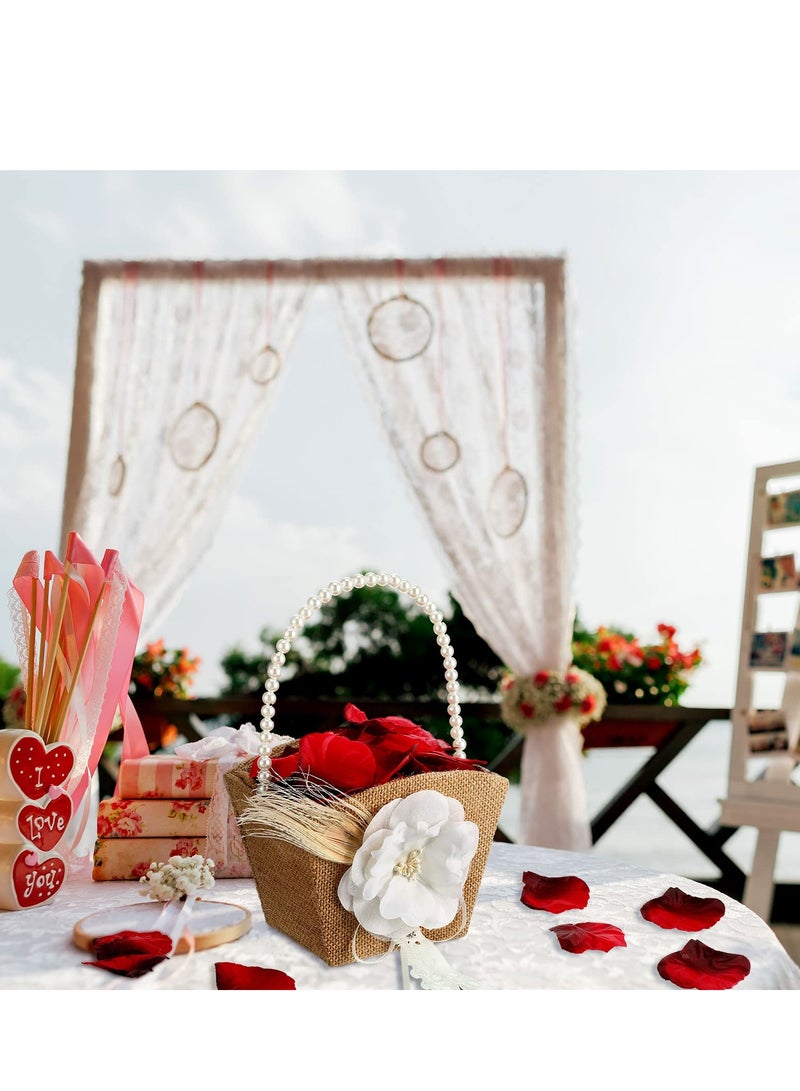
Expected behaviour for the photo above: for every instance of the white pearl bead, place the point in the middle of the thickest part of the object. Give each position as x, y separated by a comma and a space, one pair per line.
436, 616
440, 628
295, 622
394, 580
453, 709
304, 614
283, 645
451, 687
313, 604
269, 698
264, 763
370, 579
443, 640
456, 721
271, 684
403, 586
324, 596
359, 580
278, 659
273, 672
347, 585
383, 579
429, 608
451, 676
265, 724
413, 591
422, 600
335, 589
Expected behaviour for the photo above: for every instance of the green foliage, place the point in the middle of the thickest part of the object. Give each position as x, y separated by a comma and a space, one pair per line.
9, 677
375, 645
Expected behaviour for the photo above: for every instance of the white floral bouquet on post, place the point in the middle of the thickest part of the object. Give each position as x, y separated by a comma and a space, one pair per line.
529, 700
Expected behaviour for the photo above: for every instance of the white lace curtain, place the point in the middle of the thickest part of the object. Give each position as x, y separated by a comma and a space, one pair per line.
174, 377
465, 361
467, 367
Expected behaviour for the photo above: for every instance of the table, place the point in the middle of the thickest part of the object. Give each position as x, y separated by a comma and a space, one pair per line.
508, 945
667, 731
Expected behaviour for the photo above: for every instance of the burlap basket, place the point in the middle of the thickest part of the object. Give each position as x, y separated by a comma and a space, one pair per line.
298, 890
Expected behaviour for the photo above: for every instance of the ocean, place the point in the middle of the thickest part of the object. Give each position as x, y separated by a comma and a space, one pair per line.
643, 835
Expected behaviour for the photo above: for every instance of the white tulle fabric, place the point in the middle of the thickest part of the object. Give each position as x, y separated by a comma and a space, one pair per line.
156, 346
497, 376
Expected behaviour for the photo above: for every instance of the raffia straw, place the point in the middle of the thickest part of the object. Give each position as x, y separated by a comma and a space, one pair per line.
54, 733
304, 817
31, 656
48, 687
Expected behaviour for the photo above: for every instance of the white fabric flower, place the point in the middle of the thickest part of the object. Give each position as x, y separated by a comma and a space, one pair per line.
411, 867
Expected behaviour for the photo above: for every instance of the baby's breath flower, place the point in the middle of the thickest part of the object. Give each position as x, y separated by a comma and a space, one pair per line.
178, 877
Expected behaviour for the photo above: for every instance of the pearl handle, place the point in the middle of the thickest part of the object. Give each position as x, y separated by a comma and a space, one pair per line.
305, 613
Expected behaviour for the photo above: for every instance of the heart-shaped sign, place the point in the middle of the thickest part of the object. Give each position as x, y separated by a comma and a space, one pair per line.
45, 826
34, 880
35, 767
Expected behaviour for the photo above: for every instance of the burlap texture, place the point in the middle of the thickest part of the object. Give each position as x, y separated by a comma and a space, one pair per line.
298, 890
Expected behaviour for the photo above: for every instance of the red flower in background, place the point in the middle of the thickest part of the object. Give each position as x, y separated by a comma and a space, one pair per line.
541, 679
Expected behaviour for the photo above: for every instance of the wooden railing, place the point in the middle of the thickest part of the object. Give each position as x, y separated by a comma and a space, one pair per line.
662, 732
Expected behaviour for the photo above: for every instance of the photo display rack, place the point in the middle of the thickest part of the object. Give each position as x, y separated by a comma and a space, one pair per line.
766, 714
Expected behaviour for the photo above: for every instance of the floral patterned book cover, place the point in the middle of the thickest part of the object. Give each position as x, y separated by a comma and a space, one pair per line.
165, 776
152, 818
131, 857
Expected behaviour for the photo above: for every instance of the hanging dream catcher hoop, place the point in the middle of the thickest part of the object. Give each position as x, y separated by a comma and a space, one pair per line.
267, 363
508, 502
116, 476
118, 469
194, 436
400, 328
508, 495
264, 367
440, 451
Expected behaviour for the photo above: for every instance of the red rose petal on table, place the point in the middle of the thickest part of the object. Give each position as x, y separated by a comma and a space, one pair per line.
675, 909
589, 936
556, 893
230, 975
697, 966
130, 954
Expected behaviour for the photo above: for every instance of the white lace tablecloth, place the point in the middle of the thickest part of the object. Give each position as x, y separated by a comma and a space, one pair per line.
508, 945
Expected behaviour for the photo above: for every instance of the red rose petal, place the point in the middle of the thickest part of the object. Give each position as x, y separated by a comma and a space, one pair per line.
230, 975
130, 954
354, 715
675, 909
697, 966
555, 893
589, 936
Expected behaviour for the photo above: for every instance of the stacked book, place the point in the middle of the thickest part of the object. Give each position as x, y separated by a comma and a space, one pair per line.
161, 809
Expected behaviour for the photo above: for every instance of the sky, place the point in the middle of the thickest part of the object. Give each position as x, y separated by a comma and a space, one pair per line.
687, 332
